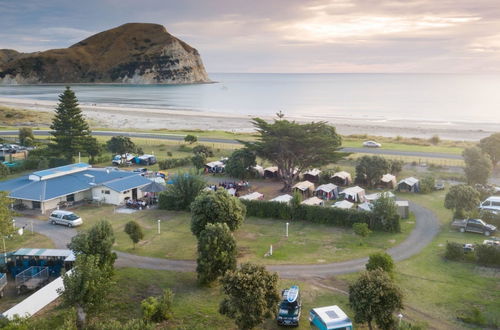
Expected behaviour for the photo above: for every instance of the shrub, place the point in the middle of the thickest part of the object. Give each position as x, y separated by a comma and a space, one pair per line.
454, 251
427, 184
435, 139
488, 255
174, 162
380, 260
158, 309
203, 149
182, 192
190, 139
361, 229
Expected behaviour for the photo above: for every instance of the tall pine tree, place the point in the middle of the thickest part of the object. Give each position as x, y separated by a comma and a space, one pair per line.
70, 130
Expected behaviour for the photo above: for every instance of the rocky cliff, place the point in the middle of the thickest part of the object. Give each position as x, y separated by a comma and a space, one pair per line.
134, 53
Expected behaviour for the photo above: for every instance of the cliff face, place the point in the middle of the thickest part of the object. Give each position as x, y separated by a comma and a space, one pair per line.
135, 53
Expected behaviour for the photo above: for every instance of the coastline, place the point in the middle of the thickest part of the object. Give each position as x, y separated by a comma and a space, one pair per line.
108, 116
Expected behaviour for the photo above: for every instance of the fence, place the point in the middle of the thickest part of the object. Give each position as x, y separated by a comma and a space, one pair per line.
32, 277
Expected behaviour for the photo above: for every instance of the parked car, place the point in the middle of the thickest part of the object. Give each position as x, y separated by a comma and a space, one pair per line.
474, 226
125, 159
290, 307
329, 318
491, 204
67, 218
439, 185
371, 144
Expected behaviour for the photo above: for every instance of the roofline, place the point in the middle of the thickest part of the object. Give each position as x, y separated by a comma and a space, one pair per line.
46, 200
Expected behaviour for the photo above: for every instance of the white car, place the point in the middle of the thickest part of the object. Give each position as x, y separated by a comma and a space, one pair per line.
491, 204
67, 218
371, 144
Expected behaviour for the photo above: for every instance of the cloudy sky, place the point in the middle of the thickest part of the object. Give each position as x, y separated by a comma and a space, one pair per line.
283, 35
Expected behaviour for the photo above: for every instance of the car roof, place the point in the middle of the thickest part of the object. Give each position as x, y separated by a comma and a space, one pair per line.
62, 212
493, 198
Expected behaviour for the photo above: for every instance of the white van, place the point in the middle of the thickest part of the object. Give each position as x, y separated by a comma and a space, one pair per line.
491, 204
67, 218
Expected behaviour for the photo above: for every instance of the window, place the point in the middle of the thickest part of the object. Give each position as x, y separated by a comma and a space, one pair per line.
106, 192
70, 198
497, 204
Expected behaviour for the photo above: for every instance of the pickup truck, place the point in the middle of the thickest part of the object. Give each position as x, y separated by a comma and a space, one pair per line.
473, 226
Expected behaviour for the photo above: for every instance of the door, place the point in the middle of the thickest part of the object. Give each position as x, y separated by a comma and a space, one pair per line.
134, 194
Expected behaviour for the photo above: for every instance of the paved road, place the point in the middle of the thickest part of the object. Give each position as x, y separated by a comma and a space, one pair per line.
426, 228
179, 137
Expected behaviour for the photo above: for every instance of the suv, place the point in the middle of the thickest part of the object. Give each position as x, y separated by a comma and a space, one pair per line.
290, 307
66, 218
491, 204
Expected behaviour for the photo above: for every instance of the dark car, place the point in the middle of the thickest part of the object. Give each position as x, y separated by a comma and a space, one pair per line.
474, 226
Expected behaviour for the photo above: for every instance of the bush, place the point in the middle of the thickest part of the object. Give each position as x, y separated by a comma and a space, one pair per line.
174, 162
180, 194
488, 255
427, 184
454, 251
380, 260
203, 149
158, 309
361, 229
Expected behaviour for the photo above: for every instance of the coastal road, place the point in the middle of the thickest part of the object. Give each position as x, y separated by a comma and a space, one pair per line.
180, 137
426, 228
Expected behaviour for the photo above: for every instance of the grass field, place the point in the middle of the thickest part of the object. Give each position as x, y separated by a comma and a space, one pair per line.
27, 240
307, 243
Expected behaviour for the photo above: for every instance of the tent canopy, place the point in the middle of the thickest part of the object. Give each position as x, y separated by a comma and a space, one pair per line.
153, 187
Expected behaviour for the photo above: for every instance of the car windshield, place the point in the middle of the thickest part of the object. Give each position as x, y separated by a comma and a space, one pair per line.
71, 217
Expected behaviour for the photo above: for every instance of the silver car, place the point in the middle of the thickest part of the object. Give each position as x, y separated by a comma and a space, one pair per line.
371, 144
67, 218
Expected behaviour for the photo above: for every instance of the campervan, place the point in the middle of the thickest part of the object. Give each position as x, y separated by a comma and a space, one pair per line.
329, 318
491, 204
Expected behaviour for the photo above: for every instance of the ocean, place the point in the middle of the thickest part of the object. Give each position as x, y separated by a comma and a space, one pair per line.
441, 98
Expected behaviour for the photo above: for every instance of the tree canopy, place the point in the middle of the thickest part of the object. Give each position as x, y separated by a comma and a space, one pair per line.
216, 252
70, 130
370, 169
216, 207
380, 260
252, 295
491, 146
427, 184
463, 199
121, 145
182, 192
203, 149
134, 231
374, 297
239, 163
478, 166
199, 160
294, 147
385, 209
190, 139
26, 137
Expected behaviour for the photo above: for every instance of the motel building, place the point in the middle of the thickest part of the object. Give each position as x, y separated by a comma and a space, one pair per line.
46, 190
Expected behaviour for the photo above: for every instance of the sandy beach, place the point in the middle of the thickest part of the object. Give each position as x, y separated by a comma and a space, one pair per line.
105, 116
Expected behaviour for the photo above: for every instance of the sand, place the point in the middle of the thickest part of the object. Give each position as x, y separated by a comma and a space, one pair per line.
105, 116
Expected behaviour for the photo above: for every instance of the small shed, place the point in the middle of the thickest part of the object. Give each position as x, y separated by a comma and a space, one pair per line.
271, 172
306, 188
253, 196
313, 201
410, 184
215, 167
373, 197
354, 194
343, 205
312, 175
282, 199
388, 181
341, 178
327, 191
403, 209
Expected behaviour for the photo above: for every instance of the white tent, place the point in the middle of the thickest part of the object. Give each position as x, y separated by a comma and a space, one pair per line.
366, 206
304, 187
375, 196
354, 194
253, 196
314, 201
388, 180
342, 178
312, 175
410, 184
271, 172
282, 198
343, 205
328, 191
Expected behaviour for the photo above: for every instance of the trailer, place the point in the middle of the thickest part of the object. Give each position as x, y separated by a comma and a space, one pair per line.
32, 278
3, 283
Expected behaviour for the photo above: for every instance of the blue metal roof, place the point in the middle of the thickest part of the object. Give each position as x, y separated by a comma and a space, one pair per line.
23, 188
61, 169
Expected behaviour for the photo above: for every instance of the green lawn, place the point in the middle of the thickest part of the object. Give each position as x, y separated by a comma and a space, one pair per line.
28, 240
307, 243
407, 147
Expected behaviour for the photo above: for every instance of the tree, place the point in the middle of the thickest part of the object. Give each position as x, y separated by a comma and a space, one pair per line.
396, 166
121, 145
87, 286
380, 260
26, 137
92, 149
190, 139
4, 170
478, 166
361, 229
6, 216
463, 199
199, 160
158, 309
69, 128
385, 209
216, 252
182, 192
435, 139
134, 231
427, 184
203, 149
252, 295
491, 146
98, 240
239, 163
370, 169
216, 207
294, 147
374, 297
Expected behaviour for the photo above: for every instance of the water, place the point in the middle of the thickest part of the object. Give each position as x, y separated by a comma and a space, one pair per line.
443, 98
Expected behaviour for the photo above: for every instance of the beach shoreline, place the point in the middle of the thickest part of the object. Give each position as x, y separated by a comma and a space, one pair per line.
123, 117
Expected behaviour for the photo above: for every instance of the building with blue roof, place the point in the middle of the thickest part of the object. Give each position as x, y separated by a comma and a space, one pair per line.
47, 189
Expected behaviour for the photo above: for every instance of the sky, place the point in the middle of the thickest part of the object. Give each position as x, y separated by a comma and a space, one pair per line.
297, 36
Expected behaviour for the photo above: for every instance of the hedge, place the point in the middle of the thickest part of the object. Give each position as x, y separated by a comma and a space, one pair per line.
484, 255
316, 214
174, 162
